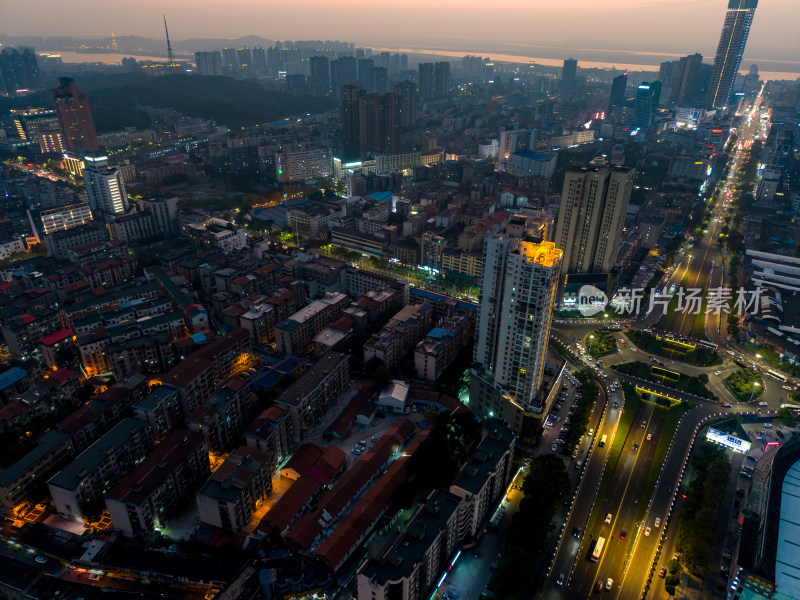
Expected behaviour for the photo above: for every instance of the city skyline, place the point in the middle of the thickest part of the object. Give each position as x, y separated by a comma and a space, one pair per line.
682, 25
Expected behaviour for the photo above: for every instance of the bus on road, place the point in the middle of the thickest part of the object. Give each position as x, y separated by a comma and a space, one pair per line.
775, 375
598, 549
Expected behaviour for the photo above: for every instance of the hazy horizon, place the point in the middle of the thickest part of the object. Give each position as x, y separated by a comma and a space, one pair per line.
677, 26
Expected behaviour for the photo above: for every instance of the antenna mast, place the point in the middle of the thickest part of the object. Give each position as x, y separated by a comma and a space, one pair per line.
169, 46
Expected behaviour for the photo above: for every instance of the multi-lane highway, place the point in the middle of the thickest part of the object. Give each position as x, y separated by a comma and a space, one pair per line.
628, 562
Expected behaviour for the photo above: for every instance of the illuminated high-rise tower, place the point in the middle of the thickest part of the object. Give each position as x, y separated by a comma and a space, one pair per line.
735, 29
75, 117
104, 186
518, 288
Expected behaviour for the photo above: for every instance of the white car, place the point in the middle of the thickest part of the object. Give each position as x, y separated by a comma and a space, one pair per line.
717, 372
658, 522
608, 518
609, 583
767, 425
647, 532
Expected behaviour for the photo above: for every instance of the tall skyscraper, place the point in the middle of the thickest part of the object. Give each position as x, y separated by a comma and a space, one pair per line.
594, 200
406, 93
684, 85
75, 117
519, 281
618, 88
735, 30
426, 81
645, 104
350, 95
320, 82
104, 186
208, 63
569, 76
441, 80
378, 124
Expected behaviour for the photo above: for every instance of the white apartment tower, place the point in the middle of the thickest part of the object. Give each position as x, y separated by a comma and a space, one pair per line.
520, 277
594, 200
104, 186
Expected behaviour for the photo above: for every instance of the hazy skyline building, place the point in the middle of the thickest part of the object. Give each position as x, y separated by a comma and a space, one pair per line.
569, 76
619, 86
75, 117
426, 80
406, 93
19, 70
208, 63
732, 41
320, 80
349, 111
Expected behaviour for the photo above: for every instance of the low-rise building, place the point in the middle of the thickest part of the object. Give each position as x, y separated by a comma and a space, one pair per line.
317, 390
441, 346
295, 335
17, 481
222, 418
161, 409
78, 486
400, 335
229, 497
153, 491
413, 564
484, 479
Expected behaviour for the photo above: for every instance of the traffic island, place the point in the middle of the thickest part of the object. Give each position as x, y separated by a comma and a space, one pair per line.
686, 352
680, 382
746, 384
601, 342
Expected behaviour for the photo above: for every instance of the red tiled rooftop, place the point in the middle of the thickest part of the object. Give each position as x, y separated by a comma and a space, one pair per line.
62, 375
54, 338
283, 512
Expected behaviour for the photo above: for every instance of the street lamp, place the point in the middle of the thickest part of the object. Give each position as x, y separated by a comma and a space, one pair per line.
591, 337
755, 385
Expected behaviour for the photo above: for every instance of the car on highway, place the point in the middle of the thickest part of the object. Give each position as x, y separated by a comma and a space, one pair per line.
649, 436
767, 425
658, 522
40, 559
647, 532
623, 534
662, 572
717, 372
608, 518
576, 532
726, 405
598, 586
560, 580
644, 424
635, 447
609, 583
762, 403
